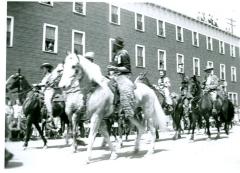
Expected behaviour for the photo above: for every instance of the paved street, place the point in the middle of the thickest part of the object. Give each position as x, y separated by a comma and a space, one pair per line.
221, 155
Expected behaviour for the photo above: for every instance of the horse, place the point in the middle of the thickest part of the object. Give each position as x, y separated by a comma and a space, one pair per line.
202, 106
100, 102
31, 104
177, 107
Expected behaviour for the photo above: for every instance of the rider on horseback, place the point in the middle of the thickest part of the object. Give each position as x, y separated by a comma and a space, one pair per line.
164, 88
120, 68
211, 86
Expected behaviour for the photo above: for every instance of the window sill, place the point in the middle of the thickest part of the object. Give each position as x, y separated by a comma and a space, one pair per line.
139, 30
161, 36
50, 52
233, 81
81, 14
181, 41
113, 23
210, 50
195, 45
140, 67
221, 53
9, 46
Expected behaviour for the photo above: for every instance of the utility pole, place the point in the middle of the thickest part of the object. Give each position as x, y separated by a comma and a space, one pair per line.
231, 23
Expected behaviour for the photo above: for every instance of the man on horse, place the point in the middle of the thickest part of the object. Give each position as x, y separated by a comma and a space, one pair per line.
120, 68
164, 88
211, 85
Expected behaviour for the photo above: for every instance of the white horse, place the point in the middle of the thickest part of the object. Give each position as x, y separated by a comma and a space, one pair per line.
100, 103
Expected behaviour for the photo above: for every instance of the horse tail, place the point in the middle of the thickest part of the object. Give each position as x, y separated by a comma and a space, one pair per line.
158, 114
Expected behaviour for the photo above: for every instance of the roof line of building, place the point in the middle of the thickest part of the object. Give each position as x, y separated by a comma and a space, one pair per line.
191, 18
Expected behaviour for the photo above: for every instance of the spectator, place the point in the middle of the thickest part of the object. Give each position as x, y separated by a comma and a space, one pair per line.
17, 112
8, 112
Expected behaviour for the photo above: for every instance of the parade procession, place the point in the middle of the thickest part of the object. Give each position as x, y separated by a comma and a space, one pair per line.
130, 83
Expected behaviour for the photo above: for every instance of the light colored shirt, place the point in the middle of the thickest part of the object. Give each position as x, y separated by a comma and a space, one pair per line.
212, 82
17, 109
165, 82
8, 110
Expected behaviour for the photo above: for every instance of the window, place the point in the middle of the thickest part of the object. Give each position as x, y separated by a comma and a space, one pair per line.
180, 63
79, 7
10, 24
209, 43
221, 47
78, 42
233, 97
179, 33
48, 3
161, 28
210, 64
162, 59
140, 55
114, 16
111, 40
222, 72
233, 74
196, 66
232, 51
195, 39
139, 22
50, 38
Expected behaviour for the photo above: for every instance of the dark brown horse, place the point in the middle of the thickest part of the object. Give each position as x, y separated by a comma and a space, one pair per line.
31, 104
202, 107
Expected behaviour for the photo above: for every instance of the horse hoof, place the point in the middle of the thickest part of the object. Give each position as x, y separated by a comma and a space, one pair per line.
209, 139
136, 150
113, 156
217, 137
24, 148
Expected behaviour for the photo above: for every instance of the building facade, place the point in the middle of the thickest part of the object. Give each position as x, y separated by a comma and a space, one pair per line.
44, 32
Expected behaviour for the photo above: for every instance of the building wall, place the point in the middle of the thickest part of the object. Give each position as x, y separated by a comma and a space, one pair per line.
27, 53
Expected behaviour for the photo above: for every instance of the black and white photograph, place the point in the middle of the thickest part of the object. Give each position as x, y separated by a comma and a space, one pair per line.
120, 86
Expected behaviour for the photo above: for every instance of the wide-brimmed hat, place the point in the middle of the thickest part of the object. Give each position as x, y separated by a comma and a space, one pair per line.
119, 42
208, 68
47, 65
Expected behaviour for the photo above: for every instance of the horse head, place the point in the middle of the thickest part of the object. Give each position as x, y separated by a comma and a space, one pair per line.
16, 81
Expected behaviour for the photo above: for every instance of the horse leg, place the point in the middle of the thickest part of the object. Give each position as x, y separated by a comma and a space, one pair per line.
218, 124
41, 134
208, 127
105, 134
153, 136
193, 126
226, 127
74, 132
94, 125
28, 131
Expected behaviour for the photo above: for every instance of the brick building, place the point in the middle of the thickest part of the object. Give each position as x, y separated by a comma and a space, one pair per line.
44, 32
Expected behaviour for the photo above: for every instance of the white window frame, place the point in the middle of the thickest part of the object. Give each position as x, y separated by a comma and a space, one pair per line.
220, 75
83, 39
111, 40
118, 13
233, 73
181, 33
178, 71
208, 65
164, 28
197, 34
221, 44
45, 25
44, 3
211, 42
232, 50
12, 31
143, 22
84, 8
164, 59
136, 55
198, 64
231, 95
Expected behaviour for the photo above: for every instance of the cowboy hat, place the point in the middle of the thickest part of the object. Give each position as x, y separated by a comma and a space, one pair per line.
89, 55
119, 42
47, 65
208, 68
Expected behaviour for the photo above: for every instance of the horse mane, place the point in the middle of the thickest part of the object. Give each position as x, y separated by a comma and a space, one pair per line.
92, 70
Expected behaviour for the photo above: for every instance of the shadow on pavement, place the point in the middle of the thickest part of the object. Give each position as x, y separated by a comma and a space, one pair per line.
12, 164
